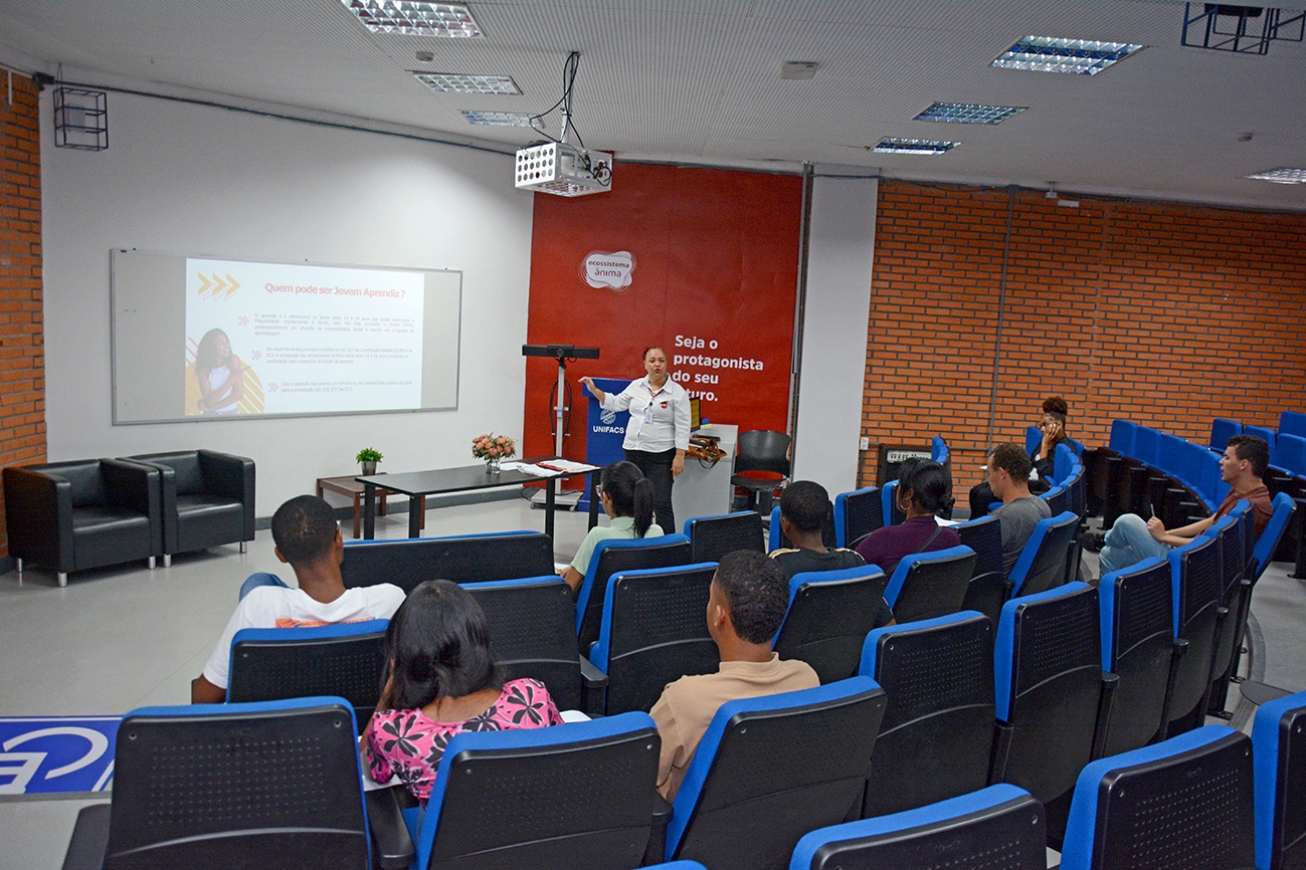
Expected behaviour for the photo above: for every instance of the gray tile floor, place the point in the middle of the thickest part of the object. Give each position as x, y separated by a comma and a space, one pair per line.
120, 638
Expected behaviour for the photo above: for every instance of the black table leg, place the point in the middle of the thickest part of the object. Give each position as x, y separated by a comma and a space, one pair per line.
550, 501
593, 479
415, 506
369, 511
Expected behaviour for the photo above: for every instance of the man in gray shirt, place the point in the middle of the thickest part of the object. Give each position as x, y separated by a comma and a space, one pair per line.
1009, 467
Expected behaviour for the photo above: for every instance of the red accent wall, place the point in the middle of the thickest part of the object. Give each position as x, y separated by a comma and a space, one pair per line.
22, 359
716, 258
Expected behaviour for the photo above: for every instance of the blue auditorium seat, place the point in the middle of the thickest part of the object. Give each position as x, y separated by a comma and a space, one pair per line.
760, 780
1279, 760
346, 660
1185, 802
857, 514
1221, 431
989, 588
712, 537
460, 558
1042, 563
532, 625
926, 585
1195, 579
999, 827
1051, 693
1137, 624
829, 616
613, 556
271, 784
653, 632
937, 733
578, 795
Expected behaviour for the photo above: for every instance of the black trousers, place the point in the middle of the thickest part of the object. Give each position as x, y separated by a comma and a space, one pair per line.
657, 468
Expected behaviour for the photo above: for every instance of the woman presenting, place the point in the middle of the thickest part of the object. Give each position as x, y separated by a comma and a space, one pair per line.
657, 435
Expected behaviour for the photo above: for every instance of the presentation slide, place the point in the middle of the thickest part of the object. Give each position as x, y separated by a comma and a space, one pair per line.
320, 339
201, 338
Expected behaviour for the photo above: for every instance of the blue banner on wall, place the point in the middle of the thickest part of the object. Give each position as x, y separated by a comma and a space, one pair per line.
57, 753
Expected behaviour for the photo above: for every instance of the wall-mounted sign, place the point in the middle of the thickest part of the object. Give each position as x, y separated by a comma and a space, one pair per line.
613, 270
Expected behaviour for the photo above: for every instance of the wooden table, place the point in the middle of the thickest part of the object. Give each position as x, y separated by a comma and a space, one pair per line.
355, 490
419, 484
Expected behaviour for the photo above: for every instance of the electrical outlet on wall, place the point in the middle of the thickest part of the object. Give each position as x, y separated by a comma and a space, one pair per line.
864, 444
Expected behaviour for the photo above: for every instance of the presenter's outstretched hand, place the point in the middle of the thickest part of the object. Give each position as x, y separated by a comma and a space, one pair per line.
588, 383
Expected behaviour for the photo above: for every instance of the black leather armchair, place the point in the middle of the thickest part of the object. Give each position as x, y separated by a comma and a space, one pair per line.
70, 516
206, 499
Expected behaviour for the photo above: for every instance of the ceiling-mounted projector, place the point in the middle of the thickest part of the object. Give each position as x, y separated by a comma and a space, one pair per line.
564, 169
557, 166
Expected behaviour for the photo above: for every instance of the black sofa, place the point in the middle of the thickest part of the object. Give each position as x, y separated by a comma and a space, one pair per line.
88, 513
206, 499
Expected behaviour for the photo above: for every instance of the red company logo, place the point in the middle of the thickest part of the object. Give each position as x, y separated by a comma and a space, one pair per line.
615, 270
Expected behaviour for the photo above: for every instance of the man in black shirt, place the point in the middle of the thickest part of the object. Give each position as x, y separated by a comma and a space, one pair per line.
804, 509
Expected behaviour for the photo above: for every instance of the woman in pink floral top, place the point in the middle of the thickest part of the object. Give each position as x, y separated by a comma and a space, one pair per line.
441, 681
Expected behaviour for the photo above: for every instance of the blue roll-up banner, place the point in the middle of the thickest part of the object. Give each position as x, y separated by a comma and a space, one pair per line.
57, 753
606, 430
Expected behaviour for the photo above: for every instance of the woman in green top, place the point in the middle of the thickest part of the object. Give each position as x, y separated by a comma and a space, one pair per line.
627, 497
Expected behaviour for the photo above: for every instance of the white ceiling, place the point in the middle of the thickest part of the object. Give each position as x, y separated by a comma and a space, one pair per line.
699, 81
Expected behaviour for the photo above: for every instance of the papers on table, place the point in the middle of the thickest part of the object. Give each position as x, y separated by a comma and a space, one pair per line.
568, 466
527, 468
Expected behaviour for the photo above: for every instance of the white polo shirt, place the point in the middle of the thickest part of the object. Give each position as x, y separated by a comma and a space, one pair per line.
659, 419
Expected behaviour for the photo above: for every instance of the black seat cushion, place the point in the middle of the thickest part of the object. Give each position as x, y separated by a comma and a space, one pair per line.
104, 535
207, 521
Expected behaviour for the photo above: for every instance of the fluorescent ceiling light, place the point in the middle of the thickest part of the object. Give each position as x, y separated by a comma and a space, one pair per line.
1050, 54
968, 113
415, 18
913, 146
1281, 176
460, 83
497, 119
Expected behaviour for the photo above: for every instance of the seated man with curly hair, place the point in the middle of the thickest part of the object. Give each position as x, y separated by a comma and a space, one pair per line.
746, 606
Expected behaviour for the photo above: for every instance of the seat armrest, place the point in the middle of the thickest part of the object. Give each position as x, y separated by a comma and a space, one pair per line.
39, 512
594, 684
393, 846
591, 676
1001, 753
657, 835
1105, 703
230, 477
90, 839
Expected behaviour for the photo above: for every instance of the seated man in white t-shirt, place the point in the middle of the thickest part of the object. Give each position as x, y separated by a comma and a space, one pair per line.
307, 536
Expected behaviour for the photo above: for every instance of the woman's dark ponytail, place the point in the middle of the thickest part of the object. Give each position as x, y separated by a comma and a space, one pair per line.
631, 493
643, 512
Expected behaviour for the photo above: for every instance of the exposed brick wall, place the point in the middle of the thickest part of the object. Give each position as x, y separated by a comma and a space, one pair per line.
1168, 315
22, 361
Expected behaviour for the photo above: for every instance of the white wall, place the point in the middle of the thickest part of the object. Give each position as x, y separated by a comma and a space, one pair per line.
842, 245
187, 179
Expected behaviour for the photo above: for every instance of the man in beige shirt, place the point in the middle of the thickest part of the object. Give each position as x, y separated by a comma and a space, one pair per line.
747, 604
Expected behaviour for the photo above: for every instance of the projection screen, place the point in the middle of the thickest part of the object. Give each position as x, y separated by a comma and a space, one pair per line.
201, 339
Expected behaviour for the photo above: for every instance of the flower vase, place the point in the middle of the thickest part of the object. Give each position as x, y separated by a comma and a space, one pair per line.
492, 465
369, 468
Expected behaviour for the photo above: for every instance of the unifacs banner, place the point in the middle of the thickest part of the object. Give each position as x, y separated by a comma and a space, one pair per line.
703, 262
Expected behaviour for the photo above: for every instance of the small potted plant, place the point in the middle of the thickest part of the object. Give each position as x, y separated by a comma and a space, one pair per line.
369, 458
493, 449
